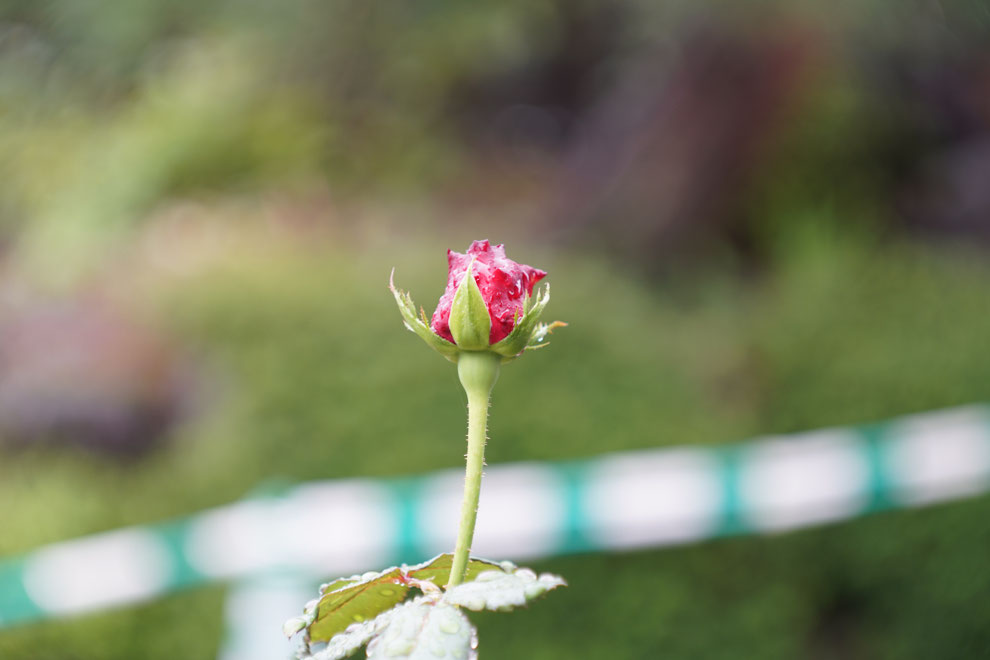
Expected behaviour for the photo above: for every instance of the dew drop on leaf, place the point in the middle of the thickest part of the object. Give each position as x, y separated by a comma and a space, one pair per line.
450, 626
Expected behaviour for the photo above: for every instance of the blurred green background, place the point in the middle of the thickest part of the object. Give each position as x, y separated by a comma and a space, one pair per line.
757, 219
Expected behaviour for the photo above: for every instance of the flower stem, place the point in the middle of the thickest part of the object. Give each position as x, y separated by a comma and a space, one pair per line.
478, 373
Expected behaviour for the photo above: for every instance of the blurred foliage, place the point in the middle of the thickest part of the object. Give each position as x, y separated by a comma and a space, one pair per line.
144, 141
109, 110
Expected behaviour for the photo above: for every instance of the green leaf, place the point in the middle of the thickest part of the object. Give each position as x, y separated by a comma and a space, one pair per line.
438, 569
355, 601
470, 322
502, 590
368, 609
361, 598
347, 642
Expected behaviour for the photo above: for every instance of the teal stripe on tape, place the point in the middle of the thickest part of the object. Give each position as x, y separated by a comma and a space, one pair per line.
174, 536
408, 547
15, 604
732, 521
879, 480
573, 477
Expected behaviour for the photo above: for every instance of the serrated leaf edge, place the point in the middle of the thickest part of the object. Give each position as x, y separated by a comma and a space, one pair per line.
502, 596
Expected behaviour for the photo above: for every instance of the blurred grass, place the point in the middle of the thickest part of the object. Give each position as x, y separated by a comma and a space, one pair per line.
311, 375
186, 625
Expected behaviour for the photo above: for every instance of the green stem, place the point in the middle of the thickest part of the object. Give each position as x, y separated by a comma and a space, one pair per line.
478, 373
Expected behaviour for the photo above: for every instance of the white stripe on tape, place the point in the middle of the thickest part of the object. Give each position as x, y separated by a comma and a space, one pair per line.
653, 498
938, 456
521, 513
323, 527
234, 540
803, 479
98, 571
336, 527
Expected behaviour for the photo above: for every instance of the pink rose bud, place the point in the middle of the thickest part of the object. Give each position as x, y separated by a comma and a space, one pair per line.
503, 283
488, 305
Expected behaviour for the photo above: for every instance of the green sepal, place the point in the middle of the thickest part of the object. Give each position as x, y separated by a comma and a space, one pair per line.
470, 322
527, 332
415, 323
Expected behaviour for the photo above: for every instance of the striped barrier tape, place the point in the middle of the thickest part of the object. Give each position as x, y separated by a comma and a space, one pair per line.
616, 501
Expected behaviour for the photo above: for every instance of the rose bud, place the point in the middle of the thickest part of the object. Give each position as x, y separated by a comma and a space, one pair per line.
488, 305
